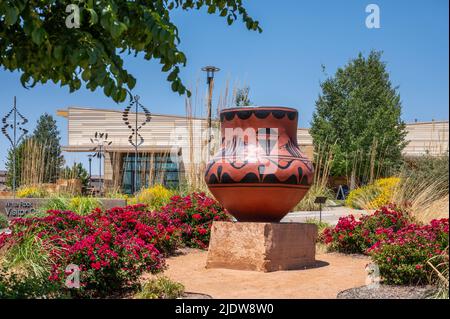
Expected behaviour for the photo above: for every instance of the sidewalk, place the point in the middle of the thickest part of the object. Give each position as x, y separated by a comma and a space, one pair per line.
330, 215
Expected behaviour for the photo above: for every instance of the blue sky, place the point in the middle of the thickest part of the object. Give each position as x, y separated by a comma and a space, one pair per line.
282, 65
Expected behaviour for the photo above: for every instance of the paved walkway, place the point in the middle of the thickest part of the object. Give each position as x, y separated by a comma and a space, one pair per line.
337, 272
330, 215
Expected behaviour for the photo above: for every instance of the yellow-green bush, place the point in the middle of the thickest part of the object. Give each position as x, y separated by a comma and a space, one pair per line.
80, 205
31, 192
154, 197
374, 195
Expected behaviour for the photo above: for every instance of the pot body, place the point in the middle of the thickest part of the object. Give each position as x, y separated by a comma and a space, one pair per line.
259, 173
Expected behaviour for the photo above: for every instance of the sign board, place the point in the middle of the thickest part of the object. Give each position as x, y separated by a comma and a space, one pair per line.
320, 200
20, 207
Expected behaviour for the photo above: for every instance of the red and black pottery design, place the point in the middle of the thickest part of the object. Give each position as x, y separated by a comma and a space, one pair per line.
259, 173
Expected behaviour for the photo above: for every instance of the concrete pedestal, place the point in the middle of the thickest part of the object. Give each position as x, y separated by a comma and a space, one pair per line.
261, 246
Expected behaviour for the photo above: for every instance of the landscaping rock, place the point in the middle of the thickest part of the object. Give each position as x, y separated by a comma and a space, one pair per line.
387, 292
194, 295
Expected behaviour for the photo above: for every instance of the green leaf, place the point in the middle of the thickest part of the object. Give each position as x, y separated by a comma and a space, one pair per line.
230, 19
92, 57
166, 67
24, 79
173, 75
108, 88
38, 35
122, 95
131, 81
11, 15
117, 29
211, 9
181, 89
175, 86
58, 52
94, 16
86, 75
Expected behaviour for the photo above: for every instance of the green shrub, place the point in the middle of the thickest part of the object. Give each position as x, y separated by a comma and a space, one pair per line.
25, 268
440, 275
20, 286
3, 221
429, 168
160, 288
424, 188
321, 225
80, 205
307, 203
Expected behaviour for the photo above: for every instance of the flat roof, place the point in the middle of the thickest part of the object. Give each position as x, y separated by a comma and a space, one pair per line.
65, 113
121, 148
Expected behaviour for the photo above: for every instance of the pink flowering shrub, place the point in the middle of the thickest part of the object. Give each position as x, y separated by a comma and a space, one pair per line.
356, 236
402, 256
194, 215
399, 247
112, 248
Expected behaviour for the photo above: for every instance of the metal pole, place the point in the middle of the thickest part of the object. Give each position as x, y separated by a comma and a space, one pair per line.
320, 213
14, 149
100, 167
210, 88
135, 144
90, 171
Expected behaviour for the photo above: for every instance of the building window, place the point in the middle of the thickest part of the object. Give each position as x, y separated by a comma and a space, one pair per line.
153, 169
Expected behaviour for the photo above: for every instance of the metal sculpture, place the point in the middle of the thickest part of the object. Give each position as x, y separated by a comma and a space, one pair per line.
100, 141
18, 132
135, 139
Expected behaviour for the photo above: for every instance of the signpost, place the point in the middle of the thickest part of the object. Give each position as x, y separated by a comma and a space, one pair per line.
320, 200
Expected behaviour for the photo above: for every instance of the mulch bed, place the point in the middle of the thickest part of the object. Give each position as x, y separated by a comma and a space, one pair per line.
388, 292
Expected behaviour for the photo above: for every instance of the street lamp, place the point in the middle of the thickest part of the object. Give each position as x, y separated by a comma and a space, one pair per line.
210, 70
90, 156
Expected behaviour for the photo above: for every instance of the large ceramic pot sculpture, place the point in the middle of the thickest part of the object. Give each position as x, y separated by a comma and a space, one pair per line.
259, 173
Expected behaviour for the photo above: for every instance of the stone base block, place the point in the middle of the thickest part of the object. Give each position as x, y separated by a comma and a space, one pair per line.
261, 246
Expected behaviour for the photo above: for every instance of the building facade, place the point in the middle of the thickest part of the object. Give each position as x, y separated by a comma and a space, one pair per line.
173, 145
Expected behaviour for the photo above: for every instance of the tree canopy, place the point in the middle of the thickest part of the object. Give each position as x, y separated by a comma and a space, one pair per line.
38, 156
47, 135
35, 40
358, 117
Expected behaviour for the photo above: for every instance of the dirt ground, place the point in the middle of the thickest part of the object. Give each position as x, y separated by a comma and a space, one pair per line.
335, 272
